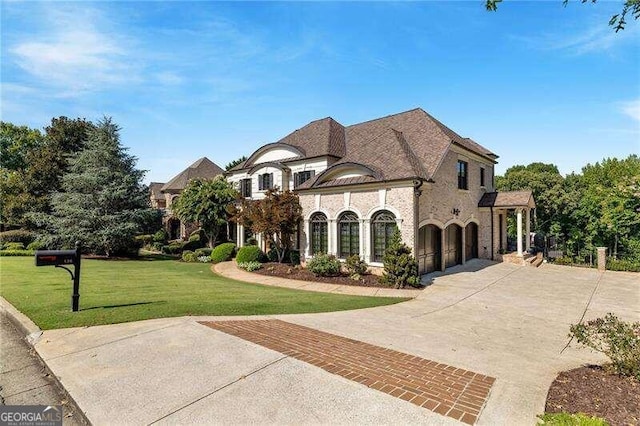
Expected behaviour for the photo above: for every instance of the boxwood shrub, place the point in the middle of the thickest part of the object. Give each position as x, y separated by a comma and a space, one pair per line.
189, 256
16, 253
324, 265
17, 236
204, 251
249, 254
223, 252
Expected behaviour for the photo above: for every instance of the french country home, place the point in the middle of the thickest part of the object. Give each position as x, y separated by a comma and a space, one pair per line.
356, 183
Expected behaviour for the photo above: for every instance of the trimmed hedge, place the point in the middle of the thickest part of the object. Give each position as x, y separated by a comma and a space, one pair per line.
13, 246
36, 245
17, 236
622, 265
248, 254
16, 253
204, 251
223, 252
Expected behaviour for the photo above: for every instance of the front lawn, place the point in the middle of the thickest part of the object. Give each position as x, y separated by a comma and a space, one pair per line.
130, 290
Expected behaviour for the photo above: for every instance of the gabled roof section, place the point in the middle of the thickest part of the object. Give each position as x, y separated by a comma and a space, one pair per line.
318, 138
202, 168
509, 199
156, 190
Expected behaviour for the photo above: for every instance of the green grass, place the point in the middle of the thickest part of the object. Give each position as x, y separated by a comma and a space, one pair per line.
131, 290
568, 419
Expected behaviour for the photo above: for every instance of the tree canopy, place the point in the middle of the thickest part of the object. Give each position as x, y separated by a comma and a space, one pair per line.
276, 217
205, 201
102, 201
617, 21
235, 162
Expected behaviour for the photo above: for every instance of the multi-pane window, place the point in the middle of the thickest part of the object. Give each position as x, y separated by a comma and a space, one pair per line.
463, 174
348, 235
245, 188
481, 176
319, 234
301, 177
265, 181
383, 225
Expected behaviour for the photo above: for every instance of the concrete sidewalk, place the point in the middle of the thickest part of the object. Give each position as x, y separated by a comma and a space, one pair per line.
231, 270
499, 320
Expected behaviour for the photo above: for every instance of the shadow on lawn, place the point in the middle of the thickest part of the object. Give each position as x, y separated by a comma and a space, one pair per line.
124, 305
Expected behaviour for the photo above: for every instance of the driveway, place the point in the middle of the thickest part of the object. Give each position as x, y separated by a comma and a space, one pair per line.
488, 320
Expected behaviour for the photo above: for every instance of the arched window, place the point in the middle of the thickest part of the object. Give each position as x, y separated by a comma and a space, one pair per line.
319, 234
348, 235
383, 225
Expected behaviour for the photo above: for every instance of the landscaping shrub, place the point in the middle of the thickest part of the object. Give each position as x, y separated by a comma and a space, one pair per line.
251, 241
193, 245
294, 257
618, 340
16, 253
17, 236
203, 258
156, 246
356, 267
14, 246
223, 252
189, 256
204, 251
173, 248
250, 266
400, 268
565, 260
623, 265
567, 419
145, 239
272, 255
249, 254
161, 236
324, 265
36, 245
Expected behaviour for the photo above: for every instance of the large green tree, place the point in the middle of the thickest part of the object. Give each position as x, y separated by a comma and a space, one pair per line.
102, 201
617, 21
205, 201
545, 182
276, 217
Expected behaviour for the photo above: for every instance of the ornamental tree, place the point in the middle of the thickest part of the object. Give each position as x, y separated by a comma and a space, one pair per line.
205, 201
276, 217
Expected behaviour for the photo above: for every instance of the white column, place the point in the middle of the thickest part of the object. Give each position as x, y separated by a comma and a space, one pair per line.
307, 233
239, 235
527, 230
362, 252
332, 243
367, 240
519, 221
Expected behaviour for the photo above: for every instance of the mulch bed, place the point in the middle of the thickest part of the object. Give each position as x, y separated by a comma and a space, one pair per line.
283, 270
597, 392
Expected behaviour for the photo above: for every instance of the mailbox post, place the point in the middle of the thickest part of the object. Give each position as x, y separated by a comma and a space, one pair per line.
60, 258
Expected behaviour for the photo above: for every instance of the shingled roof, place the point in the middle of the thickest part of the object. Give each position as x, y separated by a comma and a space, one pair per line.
508, 199
407, 145
202, 168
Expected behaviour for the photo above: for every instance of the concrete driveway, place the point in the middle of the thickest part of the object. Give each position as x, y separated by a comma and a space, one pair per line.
500, 320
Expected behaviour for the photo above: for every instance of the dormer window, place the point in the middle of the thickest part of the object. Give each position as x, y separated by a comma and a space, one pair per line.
301, 177
265, 181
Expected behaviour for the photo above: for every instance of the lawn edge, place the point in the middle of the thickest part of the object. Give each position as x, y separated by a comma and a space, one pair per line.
32, 334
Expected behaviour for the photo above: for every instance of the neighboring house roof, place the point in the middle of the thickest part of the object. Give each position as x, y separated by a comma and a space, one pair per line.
156, 190
203, 168
508, 199
411, 144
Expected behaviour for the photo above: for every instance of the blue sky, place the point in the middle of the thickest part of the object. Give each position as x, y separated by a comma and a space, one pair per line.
535, 81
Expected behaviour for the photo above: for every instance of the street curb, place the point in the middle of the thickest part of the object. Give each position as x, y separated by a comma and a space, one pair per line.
23, 323
32, 334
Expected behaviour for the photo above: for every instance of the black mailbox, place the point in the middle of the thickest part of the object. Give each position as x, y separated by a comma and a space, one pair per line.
55, 257
60, 258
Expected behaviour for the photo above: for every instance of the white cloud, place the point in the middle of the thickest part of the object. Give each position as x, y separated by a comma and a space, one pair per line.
73, 55
632, 109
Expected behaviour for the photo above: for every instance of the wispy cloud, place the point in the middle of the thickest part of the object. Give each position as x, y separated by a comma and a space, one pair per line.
631, 109
596, 37
73, 54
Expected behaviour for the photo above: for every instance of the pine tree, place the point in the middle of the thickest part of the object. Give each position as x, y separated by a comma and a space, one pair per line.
400, 268
103, 202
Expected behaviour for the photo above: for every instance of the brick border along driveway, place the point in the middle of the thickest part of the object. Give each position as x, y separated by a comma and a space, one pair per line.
441, 388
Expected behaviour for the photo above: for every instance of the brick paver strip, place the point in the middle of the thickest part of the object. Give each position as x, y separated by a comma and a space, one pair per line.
441, 388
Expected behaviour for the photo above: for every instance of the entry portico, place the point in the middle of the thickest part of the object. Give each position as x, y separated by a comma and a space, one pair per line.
499, 204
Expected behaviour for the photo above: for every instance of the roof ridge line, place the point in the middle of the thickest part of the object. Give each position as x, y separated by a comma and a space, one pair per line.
386, 116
